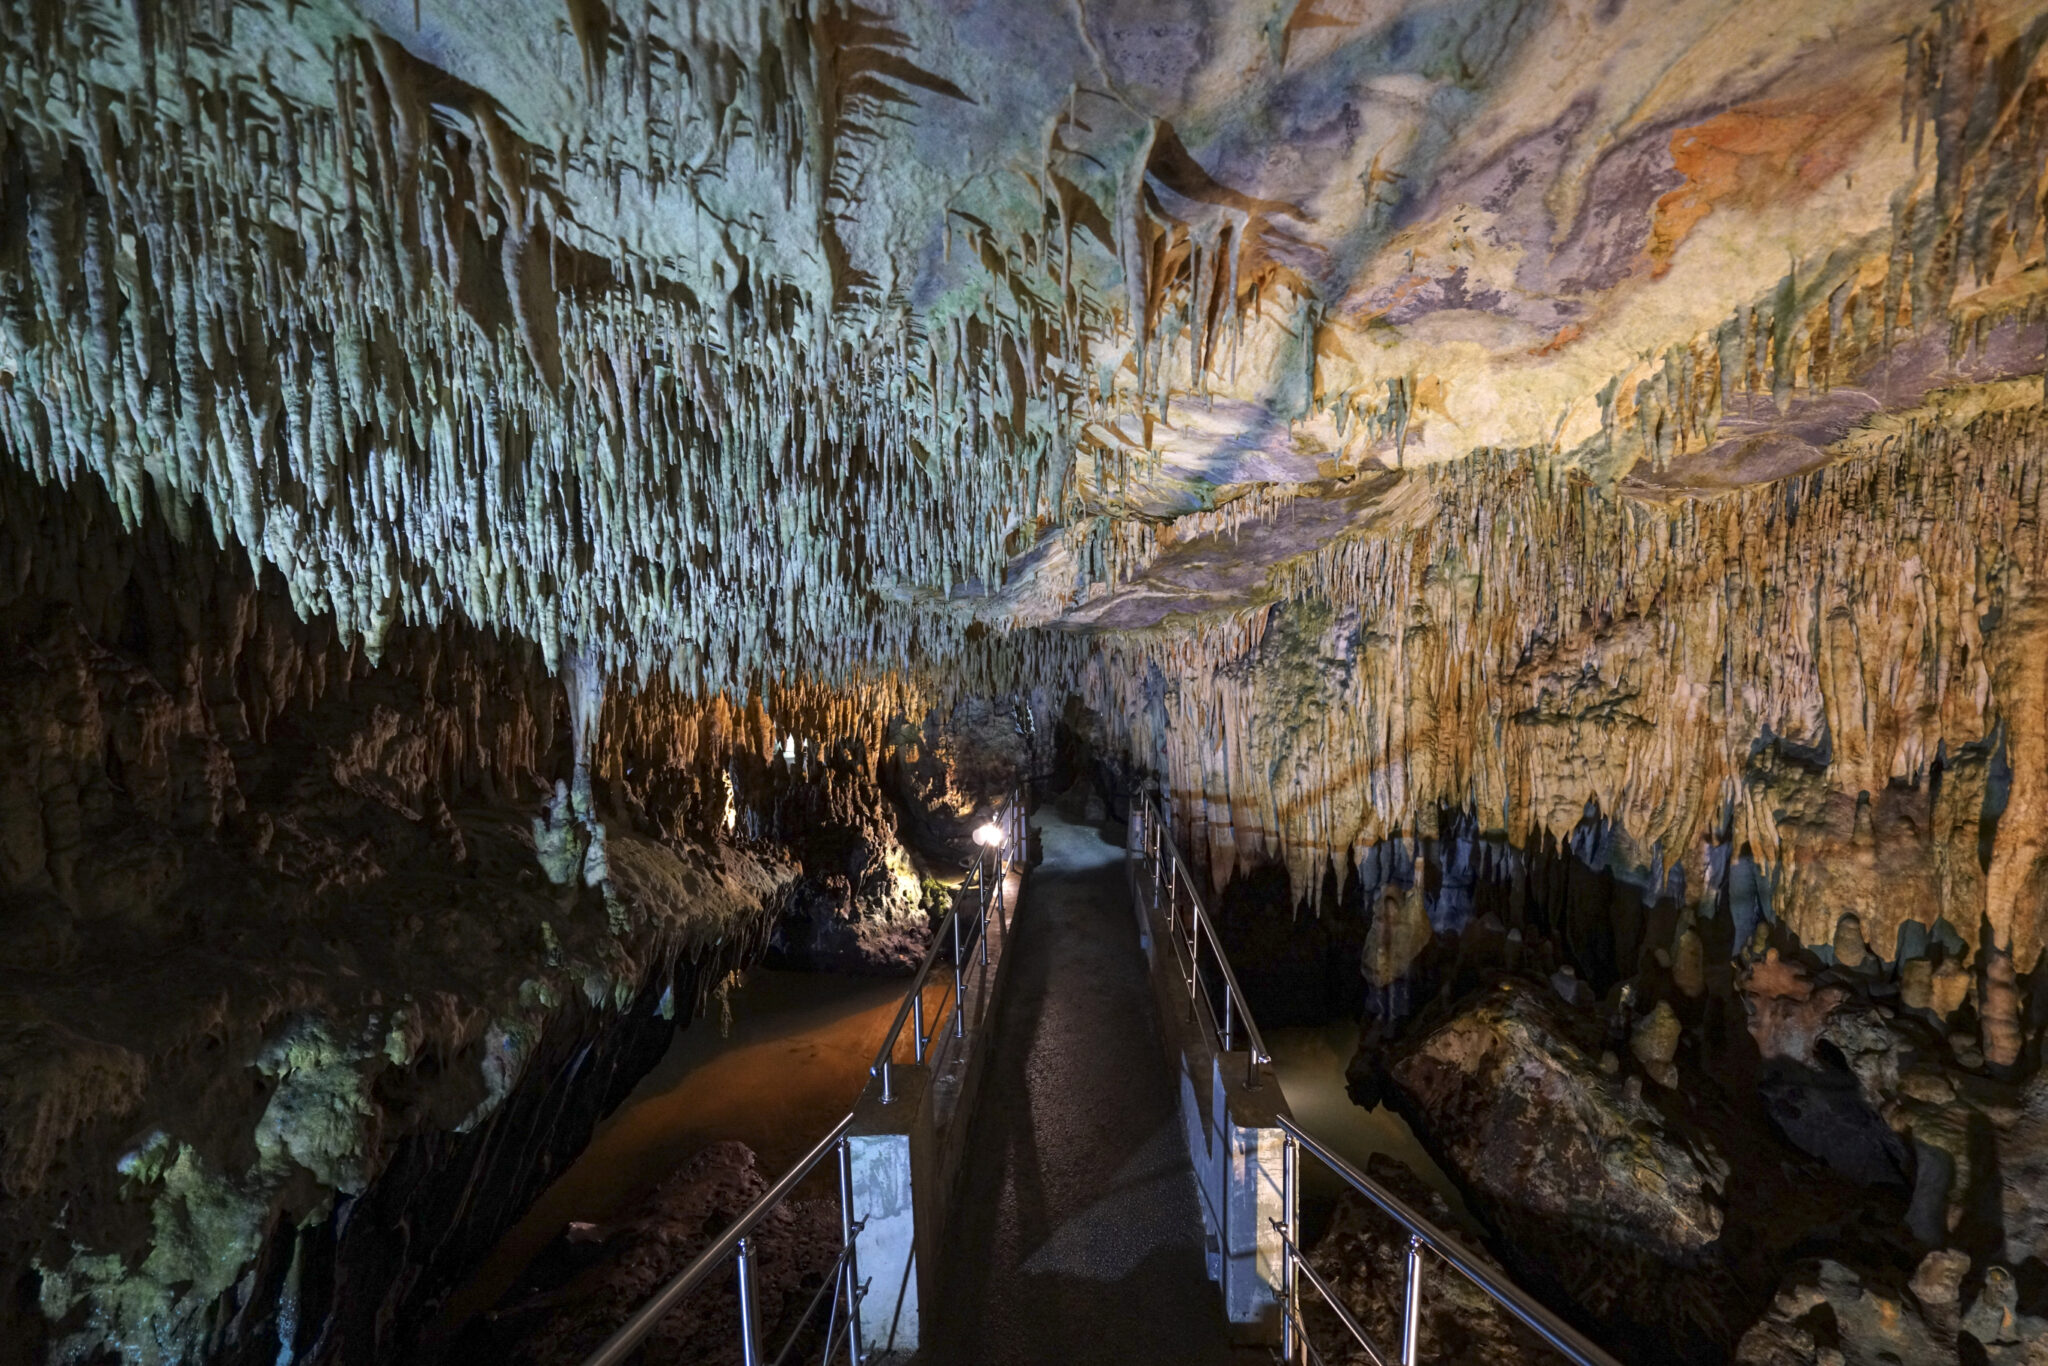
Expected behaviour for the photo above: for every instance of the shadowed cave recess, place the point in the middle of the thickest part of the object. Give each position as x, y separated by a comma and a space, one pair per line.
517, 514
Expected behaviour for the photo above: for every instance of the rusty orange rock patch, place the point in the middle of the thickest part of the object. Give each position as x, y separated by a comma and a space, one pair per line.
1753, 155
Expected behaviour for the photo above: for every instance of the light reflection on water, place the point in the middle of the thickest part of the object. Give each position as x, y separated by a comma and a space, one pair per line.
793, 1065
1310, 1062
795, 1062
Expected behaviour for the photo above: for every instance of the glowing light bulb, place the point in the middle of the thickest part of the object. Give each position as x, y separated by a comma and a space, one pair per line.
989, 836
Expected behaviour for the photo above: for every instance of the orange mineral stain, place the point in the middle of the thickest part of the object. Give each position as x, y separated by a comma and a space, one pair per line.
1751, 156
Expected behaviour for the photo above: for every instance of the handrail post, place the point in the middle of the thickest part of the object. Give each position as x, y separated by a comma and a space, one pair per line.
1169, 890
888, 1094
750, 1327
1002, 876
917, 1022
852, 1268
1229, 1000
1411, 1311
1290, 1297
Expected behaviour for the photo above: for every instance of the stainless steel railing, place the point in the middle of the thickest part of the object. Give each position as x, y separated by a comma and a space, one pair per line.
1171, 888
736, 1242
1152, 846
979, 896
1422, 1235
985, 885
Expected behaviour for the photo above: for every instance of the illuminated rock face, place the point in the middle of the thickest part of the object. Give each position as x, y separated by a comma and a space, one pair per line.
1810, 696
711, 341
729, 346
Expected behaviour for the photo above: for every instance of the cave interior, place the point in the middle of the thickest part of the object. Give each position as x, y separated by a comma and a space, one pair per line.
516, 515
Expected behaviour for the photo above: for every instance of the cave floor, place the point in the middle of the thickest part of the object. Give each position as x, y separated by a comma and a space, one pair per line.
1087, 1244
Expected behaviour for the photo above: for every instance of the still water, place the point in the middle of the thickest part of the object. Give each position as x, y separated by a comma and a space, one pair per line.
791, 1067
1311, 1063
793, 1063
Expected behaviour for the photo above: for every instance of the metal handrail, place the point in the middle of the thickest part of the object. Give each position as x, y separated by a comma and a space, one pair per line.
1298, 1263
1422, 1233
737, 1241
635, 1329
949, 928
1167, 858
1156, 843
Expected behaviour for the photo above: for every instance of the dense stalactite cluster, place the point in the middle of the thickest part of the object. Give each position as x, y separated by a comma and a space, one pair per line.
366, 339
531, 469
1713, 673
586, 334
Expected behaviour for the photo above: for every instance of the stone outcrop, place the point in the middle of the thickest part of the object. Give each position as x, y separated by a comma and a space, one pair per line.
1362, 1256
1647, 1200
1512, 1092
1829, 1314
593, 1278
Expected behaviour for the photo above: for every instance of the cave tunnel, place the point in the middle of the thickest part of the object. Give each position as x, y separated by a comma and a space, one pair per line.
744, 681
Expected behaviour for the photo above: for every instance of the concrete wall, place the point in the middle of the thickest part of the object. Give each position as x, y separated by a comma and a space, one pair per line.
1232, 1137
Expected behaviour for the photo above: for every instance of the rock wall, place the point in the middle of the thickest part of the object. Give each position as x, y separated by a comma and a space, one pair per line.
320, 968
1798, 1163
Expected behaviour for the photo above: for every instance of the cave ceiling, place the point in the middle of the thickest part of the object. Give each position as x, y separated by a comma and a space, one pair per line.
732, 340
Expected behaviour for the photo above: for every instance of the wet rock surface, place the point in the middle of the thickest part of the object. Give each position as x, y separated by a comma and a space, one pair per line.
594, 1277
1362, 1255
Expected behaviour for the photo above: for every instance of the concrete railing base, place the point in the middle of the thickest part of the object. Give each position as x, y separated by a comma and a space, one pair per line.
908, 1155
1233, 1138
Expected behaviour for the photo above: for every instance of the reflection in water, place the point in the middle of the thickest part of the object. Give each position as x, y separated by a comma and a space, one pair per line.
1311, 1063
791, 1068
795, 1062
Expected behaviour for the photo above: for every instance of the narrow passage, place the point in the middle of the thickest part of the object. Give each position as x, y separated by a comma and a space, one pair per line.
1079, 1239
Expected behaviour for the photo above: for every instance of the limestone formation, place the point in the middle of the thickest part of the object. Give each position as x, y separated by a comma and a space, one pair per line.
1589, 1174
1787, 1012
1362, 1254
1849, 949
507, 508
1399, 934
300, 935
1688, 962
1831, 1314
1655, 1043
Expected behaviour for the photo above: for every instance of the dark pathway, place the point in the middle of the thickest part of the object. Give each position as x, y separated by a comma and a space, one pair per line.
1080, 1240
